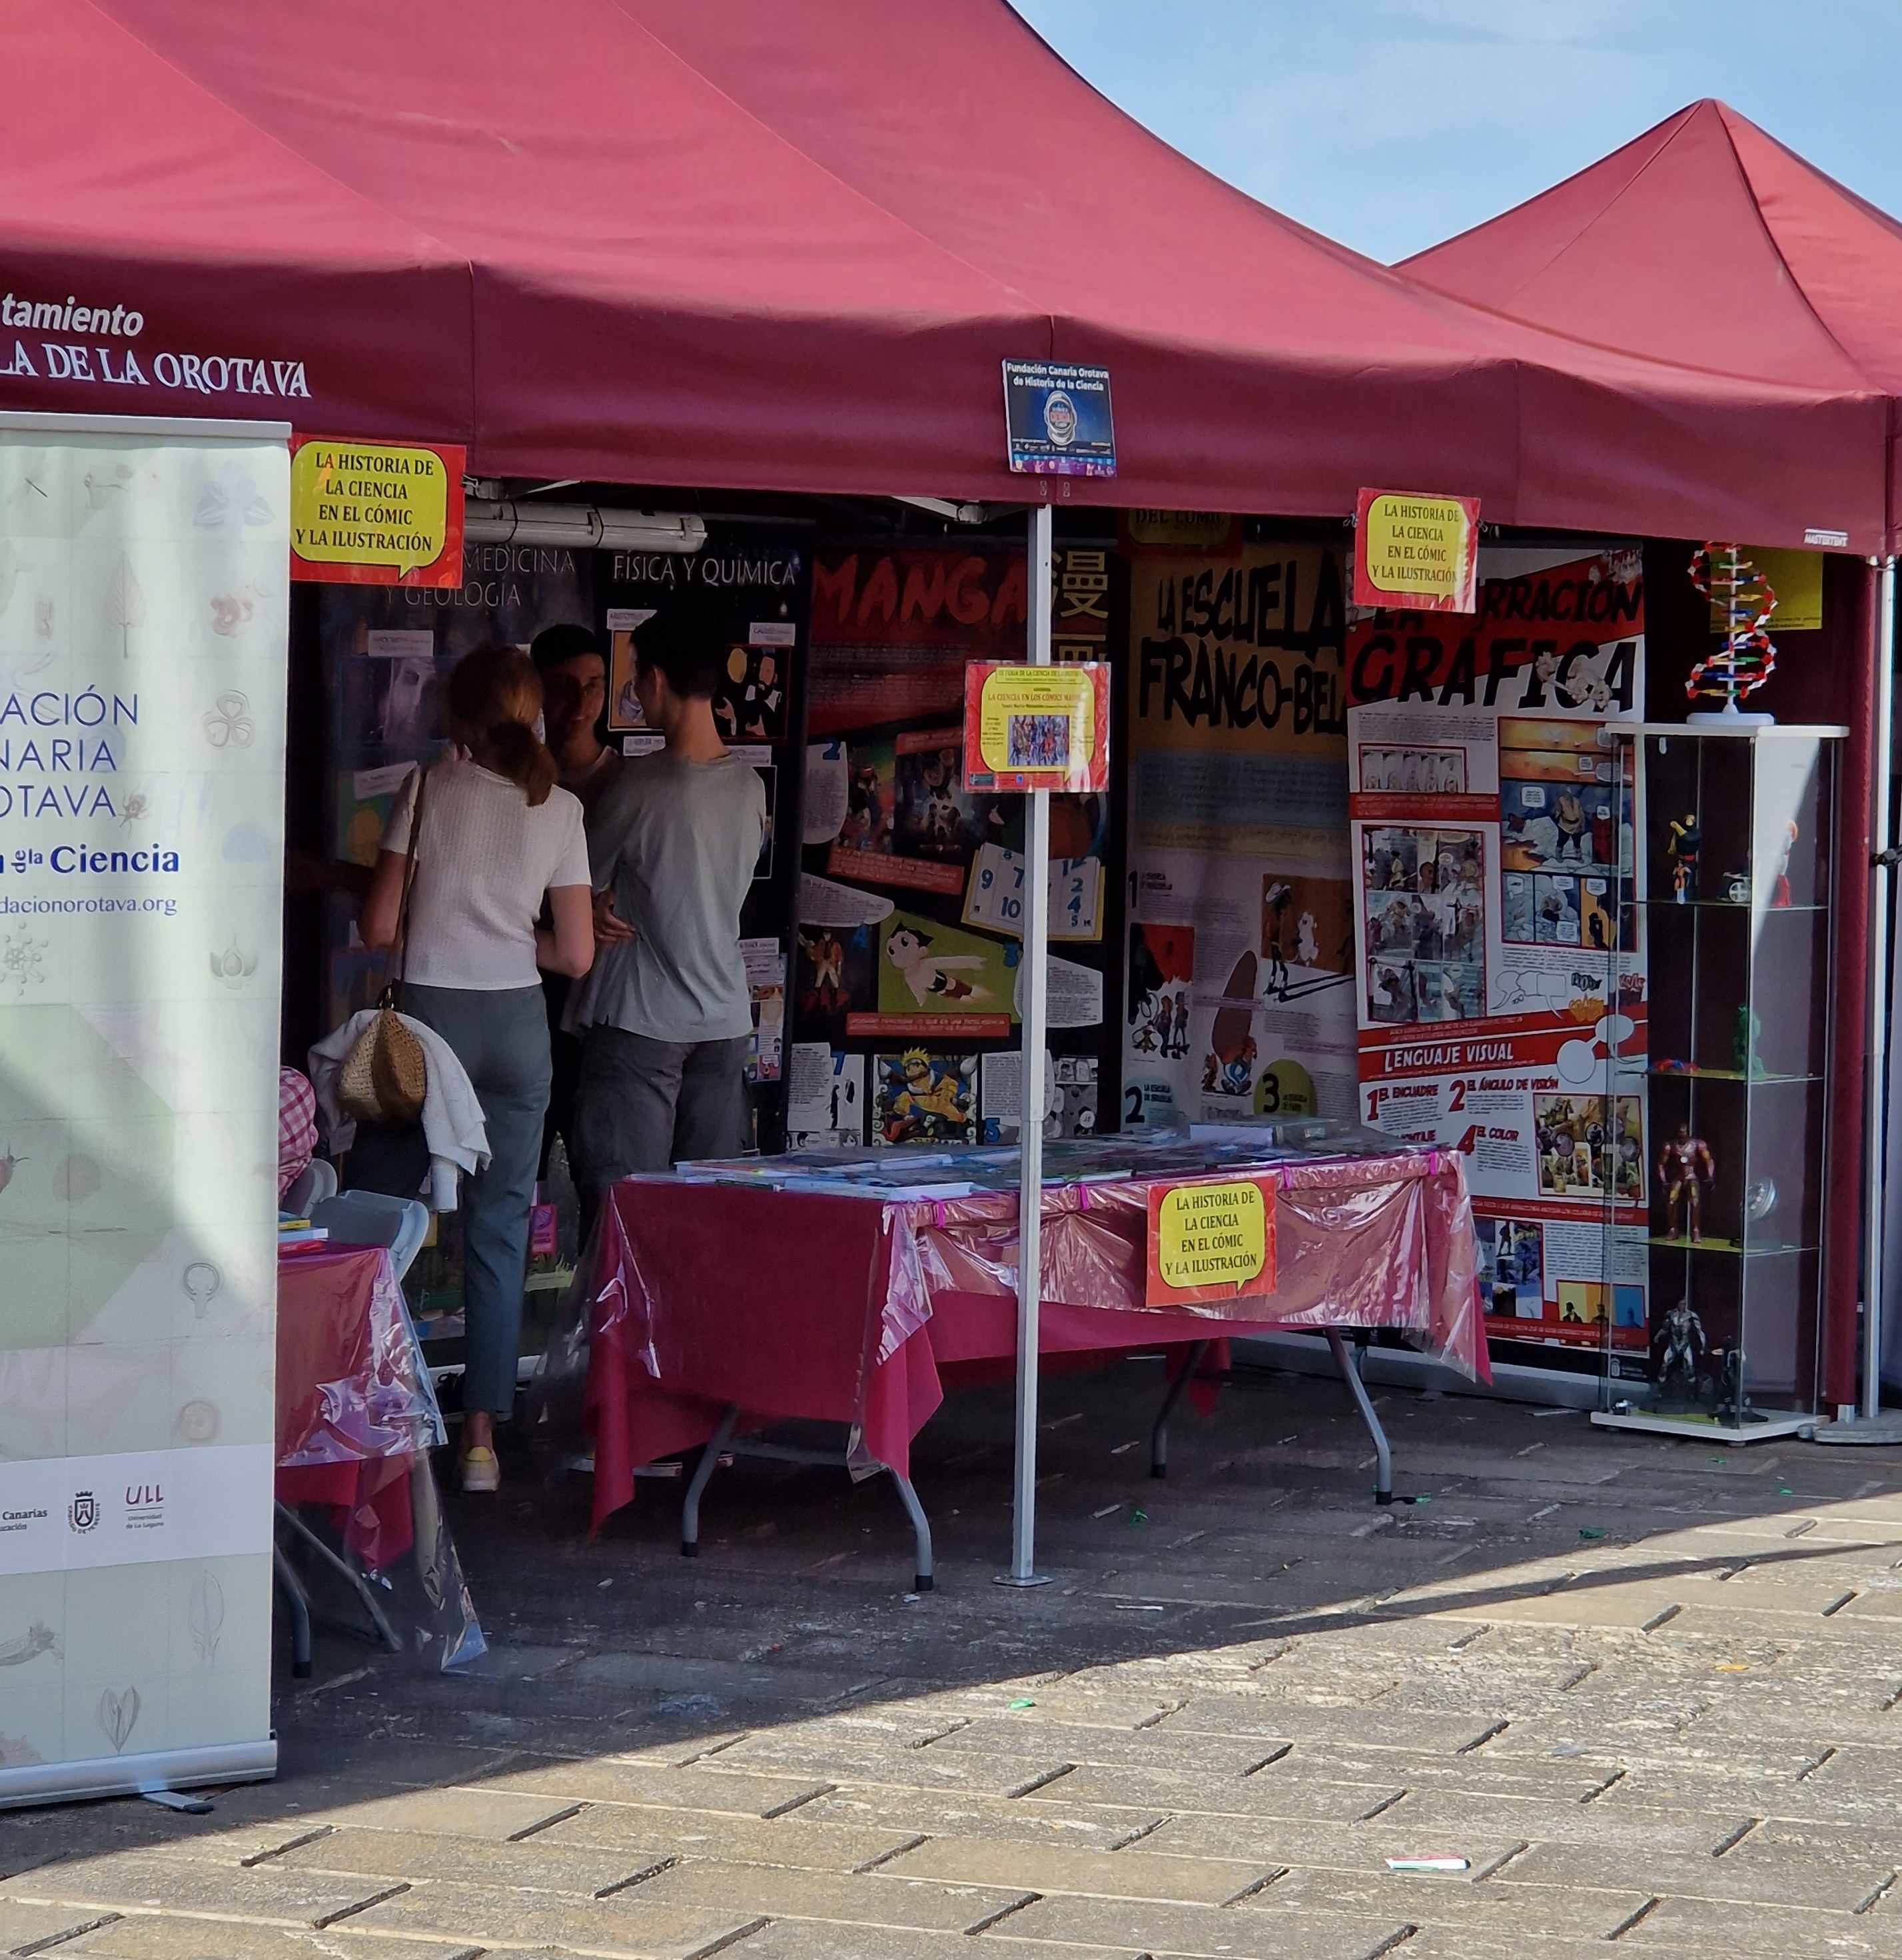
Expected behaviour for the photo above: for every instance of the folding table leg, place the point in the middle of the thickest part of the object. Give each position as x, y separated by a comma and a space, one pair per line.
354, 1579
292, 1588
923, 1579
1350, 1368
702, 1476
1158, 1435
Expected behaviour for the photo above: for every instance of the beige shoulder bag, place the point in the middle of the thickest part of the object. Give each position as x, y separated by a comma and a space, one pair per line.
384, 1078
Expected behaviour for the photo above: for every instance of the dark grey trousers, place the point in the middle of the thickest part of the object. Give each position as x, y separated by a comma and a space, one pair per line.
643, 1106
502, 1040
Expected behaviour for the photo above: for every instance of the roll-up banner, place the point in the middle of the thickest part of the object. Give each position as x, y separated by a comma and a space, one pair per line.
144, 618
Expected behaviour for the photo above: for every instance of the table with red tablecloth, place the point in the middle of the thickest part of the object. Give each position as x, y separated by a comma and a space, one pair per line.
357, 1416
716, 1306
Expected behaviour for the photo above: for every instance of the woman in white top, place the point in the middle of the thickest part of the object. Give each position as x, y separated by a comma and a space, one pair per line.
496, 838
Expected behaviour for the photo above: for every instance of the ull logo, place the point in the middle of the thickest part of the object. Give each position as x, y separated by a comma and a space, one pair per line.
143, 1496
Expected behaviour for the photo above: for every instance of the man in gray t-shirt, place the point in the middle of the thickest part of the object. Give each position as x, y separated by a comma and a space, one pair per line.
666, 1016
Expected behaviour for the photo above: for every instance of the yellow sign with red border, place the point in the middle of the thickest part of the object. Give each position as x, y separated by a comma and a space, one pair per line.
1416, 551
1036, 727
1213, 1239
376, 513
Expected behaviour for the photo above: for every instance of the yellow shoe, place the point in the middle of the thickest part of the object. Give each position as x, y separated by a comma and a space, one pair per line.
481, 1471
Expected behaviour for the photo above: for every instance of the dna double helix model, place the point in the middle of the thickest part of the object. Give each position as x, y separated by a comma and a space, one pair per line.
1743, 595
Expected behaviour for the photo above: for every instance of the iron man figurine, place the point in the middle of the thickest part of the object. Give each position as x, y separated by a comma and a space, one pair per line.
1685, 1165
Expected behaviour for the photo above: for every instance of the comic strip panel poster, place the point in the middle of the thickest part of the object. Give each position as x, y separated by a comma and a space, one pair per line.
826, 1107
1498, 958
911, 912
1239, 995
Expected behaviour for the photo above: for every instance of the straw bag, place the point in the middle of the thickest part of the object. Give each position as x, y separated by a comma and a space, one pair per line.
384, 1078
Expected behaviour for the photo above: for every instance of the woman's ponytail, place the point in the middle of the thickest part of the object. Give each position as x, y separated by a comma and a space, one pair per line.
494, 701
514, 752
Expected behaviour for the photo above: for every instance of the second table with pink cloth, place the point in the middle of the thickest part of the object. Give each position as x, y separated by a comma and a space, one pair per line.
720, 1301
357, 1418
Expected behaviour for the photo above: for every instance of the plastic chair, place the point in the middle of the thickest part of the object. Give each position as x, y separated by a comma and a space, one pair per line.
351, 1218
369, 1218
315, 1183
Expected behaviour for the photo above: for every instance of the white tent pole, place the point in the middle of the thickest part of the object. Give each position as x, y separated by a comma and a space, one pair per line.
1030, 1177
1874, 1160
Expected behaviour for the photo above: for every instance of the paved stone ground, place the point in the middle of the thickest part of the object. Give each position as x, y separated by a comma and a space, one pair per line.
1648, 1689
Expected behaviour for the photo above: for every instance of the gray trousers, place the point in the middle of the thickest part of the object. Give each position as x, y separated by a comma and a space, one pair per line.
502, 1039
643, 1106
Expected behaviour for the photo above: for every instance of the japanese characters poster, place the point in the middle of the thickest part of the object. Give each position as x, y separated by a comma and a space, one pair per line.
1238, 1000
1499, 947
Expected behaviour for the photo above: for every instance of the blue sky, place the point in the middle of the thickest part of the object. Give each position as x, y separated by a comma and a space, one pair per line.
1391, 124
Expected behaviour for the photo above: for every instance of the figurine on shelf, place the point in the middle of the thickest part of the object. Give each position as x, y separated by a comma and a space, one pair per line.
1681, 847
1678, 1353
1781, 895
1750, 1028
1730, 1387
1685, 1167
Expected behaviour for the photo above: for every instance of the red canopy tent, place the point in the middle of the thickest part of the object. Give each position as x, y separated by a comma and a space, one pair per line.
783, 245
1707, 242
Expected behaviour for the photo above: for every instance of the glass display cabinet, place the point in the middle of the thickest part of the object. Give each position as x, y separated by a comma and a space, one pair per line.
1717, 1071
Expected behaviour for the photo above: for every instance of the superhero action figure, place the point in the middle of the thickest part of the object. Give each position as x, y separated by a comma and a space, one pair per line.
1682, 847
1685, 1167
1679, 1351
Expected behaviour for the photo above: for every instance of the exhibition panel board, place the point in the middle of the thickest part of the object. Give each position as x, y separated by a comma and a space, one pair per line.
144, 591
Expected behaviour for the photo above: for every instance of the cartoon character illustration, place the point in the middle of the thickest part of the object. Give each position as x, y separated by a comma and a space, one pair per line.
828, 959
1180, 1044
1630, 1175
1274, 905
1307, 939
862, 807
763, 696
1569, 810
1396, 924
932, 1100
1538, 836
940, 801
1231, 1074
927, 973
